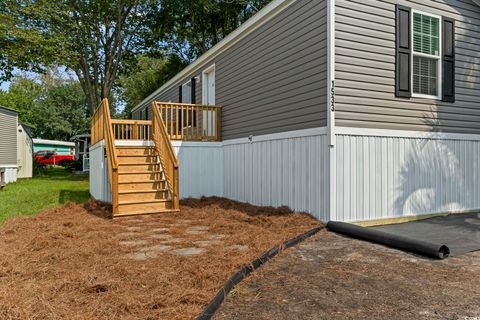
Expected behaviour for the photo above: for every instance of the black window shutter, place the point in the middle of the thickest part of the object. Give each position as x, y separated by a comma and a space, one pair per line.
448, 60
193, 83
194, 91
404, 53
180, 94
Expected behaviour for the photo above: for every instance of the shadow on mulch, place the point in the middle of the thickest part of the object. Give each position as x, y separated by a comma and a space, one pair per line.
99, 209
244, 207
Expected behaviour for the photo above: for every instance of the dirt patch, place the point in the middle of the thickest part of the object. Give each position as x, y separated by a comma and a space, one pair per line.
71, 263
335, 277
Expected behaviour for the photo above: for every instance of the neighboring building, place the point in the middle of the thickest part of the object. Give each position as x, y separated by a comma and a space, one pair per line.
24, 151
61, 147
8, 144
349, 110
15, 147
82, 145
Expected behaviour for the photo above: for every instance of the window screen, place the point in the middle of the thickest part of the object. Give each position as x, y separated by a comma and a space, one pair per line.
426, 54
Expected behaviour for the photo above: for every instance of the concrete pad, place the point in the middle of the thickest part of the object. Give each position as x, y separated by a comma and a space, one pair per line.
187, 252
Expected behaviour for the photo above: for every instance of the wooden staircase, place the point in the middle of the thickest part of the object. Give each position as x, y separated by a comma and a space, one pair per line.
142, 187
143, 180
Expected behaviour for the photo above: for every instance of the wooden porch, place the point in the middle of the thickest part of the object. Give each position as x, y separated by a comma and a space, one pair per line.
143, 177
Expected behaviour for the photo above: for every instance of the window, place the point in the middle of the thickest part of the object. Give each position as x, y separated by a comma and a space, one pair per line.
426, 60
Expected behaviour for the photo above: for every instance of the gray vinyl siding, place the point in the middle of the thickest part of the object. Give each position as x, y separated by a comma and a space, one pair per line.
274, 79
8, 137
365, 68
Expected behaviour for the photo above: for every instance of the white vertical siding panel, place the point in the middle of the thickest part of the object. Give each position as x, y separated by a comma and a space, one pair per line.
283, 172
201, 170
399, 176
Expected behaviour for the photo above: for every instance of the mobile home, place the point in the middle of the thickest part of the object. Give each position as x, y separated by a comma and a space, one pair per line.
349, 110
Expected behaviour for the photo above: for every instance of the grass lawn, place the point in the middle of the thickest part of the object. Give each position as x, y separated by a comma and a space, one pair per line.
53, 188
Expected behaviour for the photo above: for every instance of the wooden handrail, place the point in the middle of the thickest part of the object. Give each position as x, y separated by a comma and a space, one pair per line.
102, 130
195, 122
166, 154
132, 129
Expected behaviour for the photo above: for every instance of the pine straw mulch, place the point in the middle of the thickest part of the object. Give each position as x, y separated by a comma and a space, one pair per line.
72, 263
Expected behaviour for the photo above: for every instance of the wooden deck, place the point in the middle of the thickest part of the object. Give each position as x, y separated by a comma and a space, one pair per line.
144, 179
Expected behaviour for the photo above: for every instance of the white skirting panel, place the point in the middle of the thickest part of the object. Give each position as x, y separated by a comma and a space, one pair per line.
383, 176
10, 174
284, 170
201, 168
99, 183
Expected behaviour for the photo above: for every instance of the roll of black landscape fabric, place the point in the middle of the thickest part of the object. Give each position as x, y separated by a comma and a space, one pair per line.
434, 250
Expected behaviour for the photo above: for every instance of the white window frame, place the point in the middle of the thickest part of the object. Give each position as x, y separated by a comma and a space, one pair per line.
418, 54
210, 69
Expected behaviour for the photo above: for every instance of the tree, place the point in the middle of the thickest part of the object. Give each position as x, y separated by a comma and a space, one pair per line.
191, 27
62, 112
146, 76
94, 38
56, 108
22, 96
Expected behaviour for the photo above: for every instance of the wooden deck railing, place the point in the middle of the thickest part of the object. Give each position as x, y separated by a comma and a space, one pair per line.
166, 154
132, 129
192, 122
102, 130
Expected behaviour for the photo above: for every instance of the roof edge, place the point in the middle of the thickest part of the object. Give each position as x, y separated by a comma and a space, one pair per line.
10, 110
54, 142
258, 19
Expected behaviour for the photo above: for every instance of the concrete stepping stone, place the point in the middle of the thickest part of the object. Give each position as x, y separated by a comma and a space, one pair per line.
150, 252
132, 243
206, 243
160, 236
197, 230
187, 252
133, 228
159, 230
238, 247
217, 236
127, 234
173, 240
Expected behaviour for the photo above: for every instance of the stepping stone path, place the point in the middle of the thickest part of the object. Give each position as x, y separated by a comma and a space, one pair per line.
149, 239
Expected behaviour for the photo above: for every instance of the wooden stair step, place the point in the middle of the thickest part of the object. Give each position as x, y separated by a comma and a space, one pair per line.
138, 176
142, 212
139, 167
136, 207
137, 159
142, 185
133, 151
142, 196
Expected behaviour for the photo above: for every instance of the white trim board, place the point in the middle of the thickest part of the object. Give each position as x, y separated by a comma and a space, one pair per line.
261, 138
260, 18
279, 136
406, 134
9, 166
